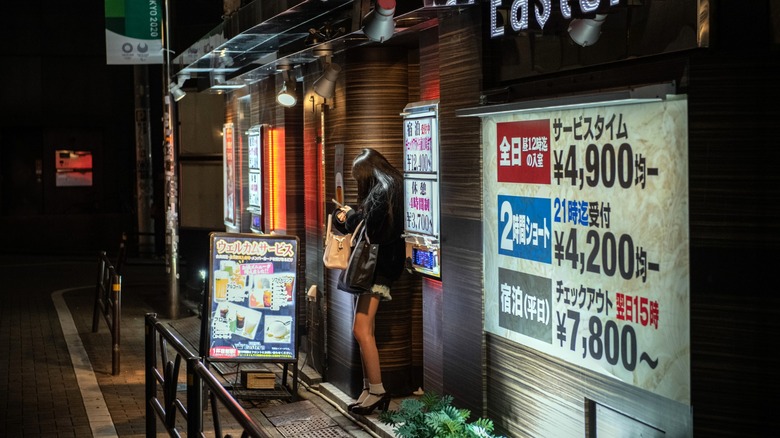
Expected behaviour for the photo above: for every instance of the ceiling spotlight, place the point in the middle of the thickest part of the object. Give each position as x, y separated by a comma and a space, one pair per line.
175, 87
326, 84
379, 22
586, 31
286, 96
177, 93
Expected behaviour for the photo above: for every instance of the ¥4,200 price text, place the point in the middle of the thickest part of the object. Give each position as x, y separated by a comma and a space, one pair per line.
607, 254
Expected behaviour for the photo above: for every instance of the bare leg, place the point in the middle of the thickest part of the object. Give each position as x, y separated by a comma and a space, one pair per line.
363, 330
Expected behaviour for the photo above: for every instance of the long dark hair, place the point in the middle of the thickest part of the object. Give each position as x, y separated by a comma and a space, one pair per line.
377, 182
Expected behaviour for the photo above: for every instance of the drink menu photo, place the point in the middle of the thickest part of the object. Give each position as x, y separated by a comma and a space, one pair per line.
252, 296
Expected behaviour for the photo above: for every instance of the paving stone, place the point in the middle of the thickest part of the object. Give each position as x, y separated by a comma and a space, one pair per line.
40, 393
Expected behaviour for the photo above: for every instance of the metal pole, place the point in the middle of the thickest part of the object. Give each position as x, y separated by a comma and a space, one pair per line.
116, 323
194, 399
150, 381
171, 177
143, 161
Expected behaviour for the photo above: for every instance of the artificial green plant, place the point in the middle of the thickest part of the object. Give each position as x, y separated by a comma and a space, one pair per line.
433, 416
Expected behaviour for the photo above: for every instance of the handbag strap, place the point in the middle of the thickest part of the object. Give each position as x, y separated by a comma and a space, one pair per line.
330, 222
359, 233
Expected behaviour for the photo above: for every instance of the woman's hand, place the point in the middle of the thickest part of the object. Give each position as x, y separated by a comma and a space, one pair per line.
341, 215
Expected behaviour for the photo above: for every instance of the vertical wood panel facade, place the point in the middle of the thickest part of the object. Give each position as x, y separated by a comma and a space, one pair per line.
366, 113
461, 212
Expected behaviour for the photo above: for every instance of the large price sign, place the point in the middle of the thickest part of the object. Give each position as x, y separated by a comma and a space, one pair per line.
586, 238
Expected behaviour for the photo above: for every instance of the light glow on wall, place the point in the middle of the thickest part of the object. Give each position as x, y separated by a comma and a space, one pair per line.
277, 183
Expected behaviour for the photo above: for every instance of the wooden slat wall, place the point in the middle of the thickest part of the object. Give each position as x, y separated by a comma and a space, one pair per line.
417, 335
342, 352
735, 235
432, 337
461, 214
365, 113
314, 221
294, 160
531, 394
265, 110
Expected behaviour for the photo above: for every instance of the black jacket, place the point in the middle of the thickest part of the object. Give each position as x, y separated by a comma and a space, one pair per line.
385, 232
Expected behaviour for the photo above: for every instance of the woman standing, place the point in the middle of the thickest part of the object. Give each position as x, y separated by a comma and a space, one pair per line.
380, 207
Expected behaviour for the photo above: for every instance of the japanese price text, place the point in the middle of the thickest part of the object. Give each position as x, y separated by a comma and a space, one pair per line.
588, 248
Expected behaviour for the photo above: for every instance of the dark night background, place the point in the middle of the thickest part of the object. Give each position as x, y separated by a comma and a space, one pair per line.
59, 93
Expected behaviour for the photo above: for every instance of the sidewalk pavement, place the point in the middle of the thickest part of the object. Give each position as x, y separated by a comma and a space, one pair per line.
56, 380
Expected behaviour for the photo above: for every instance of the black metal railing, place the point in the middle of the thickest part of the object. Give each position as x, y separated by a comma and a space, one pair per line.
108, 302
162, 377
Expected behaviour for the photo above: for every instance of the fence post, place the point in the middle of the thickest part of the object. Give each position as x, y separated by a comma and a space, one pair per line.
150, 380
194, 399
116, 318
98, 287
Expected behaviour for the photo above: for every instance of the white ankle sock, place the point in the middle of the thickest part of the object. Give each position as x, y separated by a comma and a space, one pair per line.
376, 392
376, 388
364, 393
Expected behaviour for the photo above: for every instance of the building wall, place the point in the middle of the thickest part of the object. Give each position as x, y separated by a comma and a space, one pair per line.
731, 94
734, 239
365, 113
733, 189
460, 315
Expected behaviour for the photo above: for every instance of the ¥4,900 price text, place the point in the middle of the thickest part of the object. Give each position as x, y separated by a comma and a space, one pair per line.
608, 167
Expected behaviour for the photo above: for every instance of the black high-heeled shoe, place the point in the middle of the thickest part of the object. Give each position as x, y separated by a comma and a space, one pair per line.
356, 403
383, 404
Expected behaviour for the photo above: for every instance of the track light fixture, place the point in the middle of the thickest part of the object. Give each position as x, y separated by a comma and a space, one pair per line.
286, 96
175, 87
177, 93
379, 25
325, 33
586, 31
326, 84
